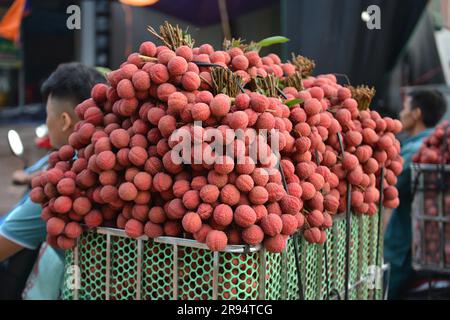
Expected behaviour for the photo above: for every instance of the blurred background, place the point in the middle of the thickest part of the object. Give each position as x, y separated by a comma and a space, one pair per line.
412, 48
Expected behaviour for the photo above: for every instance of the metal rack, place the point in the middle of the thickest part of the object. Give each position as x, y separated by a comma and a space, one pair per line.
430, 182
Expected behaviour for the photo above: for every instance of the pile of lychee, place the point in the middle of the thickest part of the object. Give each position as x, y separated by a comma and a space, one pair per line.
431, 249
351, 146
119, 169
435, 148
428, 243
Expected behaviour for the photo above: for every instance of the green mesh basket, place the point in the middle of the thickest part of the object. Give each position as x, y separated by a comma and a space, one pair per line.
108, 265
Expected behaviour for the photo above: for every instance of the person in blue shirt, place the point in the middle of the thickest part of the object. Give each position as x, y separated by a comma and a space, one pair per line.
422, 110
24, 177
70, 84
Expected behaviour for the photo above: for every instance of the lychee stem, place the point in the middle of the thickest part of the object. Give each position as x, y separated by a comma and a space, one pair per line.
205, 80
147, 58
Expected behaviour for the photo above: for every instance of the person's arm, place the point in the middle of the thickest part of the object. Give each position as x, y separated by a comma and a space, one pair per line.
22, 228
26, 175
8, 248
23, 177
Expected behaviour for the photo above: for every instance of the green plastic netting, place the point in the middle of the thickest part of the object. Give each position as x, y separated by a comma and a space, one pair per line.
115, 267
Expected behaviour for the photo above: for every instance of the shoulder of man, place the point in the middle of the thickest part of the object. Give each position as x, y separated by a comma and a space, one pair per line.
412, 145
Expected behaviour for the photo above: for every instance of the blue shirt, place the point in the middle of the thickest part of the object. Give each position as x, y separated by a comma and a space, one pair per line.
398, 237
24, 226
47, 277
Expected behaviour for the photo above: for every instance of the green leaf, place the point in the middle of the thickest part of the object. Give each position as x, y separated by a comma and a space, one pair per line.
272, 40
104, 71
293, 102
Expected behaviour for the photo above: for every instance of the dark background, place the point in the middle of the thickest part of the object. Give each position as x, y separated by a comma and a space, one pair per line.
330, 32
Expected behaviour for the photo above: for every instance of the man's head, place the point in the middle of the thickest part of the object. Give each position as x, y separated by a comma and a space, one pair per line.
67, 86
422, 109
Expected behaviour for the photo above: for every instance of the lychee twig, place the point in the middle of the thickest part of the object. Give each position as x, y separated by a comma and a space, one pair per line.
267, 85
306, 210
172, 36
148, 59
363, 95
153, 32
233, 43
205, 80
295, 81
303, 64
225, 81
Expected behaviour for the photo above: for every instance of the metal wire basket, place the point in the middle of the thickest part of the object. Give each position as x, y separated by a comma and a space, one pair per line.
431, 217
106, 264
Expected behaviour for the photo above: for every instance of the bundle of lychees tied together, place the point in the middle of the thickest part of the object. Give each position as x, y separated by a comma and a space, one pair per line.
222, 146
435, 148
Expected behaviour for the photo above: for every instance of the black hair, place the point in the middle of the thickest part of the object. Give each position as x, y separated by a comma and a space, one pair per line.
432, 104
71, 81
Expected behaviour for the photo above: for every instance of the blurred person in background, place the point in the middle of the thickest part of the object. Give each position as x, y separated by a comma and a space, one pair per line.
67, 86
422, 111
